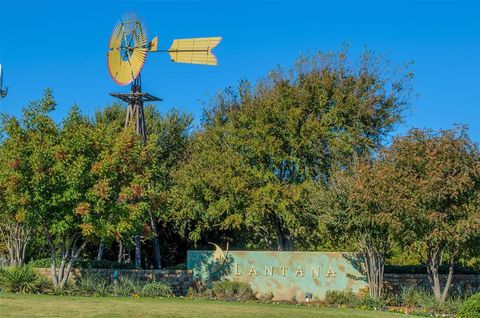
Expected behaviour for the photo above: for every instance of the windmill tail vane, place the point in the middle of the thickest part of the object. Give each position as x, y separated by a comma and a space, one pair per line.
191, 51
194, 50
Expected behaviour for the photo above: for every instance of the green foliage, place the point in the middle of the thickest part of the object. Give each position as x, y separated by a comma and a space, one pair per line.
156, 289
42, 262
92, 284
15, 194
411, 297
82, 180
402, 257
127, 286
426, 300
262, 147
96, 285
21, 279
369, 302
232, 290
340, 297
432, 193
471, 307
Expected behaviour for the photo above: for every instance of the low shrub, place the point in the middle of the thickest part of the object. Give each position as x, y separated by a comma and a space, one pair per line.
470, 307
90, 284
425, 299
156, 289
372, 303
126, 286
224, 289
42, 262
410, 297
95, 285
266, 298
21, 279
232, 290
244, 292
340, 297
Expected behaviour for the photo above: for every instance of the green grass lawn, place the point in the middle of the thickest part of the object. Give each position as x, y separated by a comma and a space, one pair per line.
18, 305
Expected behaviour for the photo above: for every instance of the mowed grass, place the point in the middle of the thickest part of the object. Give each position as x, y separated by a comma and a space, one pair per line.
18, 305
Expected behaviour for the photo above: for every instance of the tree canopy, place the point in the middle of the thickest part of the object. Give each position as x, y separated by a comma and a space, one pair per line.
261, 145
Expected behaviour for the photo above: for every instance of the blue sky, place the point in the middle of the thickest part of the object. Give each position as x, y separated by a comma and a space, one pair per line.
62, 45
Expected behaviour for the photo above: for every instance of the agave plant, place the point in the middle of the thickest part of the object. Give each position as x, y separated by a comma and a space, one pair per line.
21, 279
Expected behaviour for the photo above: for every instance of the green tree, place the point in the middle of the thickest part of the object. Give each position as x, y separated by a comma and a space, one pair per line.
250, 166
15, 230
58, 163
434, 184
352, 211
61, 159
168, 136
119, 189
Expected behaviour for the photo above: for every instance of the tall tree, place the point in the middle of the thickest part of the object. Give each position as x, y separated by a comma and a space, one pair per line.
168, 137
434, 179
61, 159
119, 189
260, 146
54, 172
353, 210
15, 230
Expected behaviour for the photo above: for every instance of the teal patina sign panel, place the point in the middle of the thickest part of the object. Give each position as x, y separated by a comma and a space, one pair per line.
285, 274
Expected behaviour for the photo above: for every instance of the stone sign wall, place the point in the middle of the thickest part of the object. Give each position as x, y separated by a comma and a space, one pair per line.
287, 275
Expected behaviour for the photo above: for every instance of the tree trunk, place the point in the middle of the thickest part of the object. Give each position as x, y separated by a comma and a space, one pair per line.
138, 251
156, 244
16, 237
433, 264
375, 265
69, 254
285, 241
120, 252
53, 257
101, 250
449, 277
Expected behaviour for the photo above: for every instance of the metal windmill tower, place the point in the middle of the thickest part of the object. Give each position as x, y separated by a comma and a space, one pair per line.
3, 90
127, 51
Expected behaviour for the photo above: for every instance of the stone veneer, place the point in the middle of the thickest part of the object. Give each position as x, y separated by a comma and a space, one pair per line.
460, 282
179, 280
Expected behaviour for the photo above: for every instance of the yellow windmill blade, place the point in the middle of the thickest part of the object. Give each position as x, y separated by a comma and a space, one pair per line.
153, 45
194, 50
127, 51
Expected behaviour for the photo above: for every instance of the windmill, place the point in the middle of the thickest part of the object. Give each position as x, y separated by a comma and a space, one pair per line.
3, 90
127, 50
